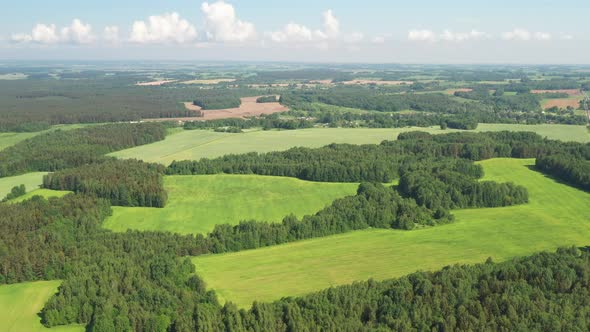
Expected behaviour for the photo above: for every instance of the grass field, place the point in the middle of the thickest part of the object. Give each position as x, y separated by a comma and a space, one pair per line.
557, 215
40, 192
21, 303
197, 203
32, 181
197, 144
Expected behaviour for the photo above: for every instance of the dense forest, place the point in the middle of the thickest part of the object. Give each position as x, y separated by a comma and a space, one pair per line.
70, 148
123, 182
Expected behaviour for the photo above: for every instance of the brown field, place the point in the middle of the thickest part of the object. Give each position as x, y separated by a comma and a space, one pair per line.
321, 82
155, 83
562, 103
570, 92
211, 81
365, 82
248, 108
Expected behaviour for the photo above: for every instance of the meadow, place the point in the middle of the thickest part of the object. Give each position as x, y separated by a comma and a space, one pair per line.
21, 304
197, 203
197, 144
556, 216
32, 181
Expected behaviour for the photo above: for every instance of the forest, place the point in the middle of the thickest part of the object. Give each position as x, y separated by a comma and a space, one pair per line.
123, 182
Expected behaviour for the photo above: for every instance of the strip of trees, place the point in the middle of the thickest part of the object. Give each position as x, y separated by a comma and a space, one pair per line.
70, 148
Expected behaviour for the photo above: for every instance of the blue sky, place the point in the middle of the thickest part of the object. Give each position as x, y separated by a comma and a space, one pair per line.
345, 31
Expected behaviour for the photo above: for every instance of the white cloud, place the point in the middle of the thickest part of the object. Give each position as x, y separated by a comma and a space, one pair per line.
76, 33
223, 25
567, 37
525, 35
421, 35
542, 36
166, 28
447, 35
297, 33
111, 34
378, 40
331, 24
462, 36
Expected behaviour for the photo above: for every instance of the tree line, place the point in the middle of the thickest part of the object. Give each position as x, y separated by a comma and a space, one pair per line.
122, 182
571, 169
377, 163
62, 149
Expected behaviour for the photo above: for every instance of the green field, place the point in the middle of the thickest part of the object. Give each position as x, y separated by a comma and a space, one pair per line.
21, 303
32, 181
557, 215
40, 192
197, 203
197, 144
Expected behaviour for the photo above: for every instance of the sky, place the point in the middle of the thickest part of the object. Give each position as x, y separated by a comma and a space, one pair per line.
427, 31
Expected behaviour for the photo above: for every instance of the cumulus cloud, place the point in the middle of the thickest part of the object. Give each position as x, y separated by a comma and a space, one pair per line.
525, 35
462, 36
297, 33
421, 35
76, 33
111, 34
166, 28
447, 35
331, 24
223, 25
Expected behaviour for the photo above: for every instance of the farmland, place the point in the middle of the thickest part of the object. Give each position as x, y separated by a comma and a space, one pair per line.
197, 203
21, 304
556, 216
196, 144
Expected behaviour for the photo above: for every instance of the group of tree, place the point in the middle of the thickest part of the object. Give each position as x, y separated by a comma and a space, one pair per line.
569, 168
266, 99
122, 182
62, 149
266, 122
15, 192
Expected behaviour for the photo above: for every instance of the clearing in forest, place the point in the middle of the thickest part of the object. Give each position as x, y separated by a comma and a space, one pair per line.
21, 304
196, 203
556, 216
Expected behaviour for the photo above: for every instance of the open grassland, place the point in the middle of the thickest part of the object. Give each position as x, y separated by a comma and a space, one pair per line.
32, 181
40, 192
9, 139
197, 203
20, 304
197, 144
557, 215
